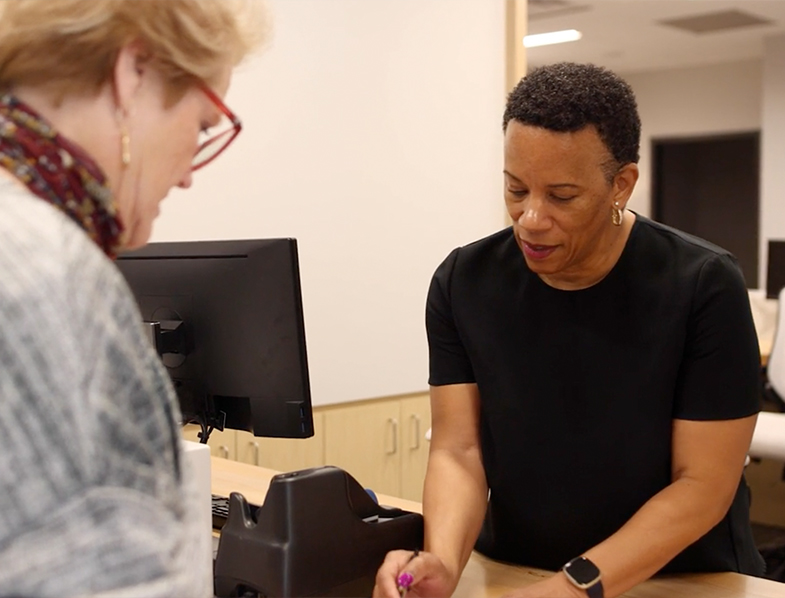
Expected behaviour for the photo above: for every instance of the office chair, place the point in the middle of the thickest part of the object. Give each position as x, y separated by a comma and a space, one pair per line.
768, 439
773, 373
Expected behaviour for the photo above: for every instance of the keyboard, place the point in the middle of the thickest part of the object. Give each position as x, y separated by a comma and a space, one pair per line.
220, 508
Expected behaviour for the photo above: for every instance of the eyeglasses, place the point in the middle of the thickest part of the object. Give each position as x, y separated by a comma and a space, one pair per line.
216, 139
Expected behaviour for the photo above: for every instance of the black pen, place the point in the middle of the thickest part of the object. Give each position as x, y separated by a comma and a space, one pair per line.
405, 579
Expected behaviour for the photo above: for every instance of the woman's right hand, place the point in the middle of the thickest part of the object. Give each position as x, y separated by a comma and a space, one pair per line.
430, 577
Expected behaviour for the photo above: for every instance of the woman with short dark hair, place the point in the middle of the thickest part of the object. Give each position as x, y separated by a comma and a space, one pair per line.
594, 374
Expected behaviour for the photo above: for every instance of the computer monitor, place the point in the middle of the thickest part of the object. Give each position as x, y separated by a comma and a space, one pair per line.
227, 320
775, 271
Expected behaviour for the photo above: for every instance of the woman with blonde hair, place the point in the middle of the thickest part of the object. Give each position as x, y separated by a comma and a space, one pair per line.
105, 105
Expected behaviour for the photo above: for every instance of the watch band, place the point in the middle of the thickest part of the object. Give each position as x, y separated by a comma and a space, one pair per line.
596, 590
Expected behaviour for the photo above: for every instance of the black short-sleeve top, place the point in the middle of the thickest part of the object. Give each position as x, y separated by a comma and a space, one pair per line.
579, 389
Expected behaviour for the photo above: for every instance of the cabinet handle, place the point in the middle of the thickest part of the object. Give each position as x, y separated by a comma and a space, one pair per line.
416, 419
394, 427
255, 446
223, 451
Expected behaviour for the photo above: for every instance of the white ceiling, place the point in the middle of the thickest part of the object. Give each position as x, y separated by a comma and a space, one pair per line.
626, 35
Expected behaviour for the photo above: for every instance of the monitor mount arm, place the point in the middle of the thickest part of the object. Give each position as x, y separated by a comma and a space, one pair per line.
173, 343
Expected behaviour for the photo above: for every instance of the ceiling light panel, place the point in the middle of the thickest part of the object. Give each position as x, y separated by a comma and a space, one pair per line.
716, 21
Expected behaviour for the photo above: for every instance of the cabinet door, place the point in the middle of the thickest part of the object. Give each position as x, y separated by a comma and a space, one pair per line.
283, 454
364, 440
415, 421
222, 443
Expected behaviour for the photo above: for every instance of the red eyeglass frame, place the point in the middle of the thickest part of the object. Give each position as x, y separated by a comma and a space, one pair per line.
237, 126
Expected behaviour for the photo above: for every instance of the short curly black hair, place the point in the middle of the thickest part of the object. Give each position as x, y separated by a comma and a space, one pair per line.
567, 97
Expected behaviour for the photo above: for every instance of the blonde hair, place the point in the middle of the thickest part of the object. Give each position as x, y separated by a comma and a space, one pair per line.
70, 46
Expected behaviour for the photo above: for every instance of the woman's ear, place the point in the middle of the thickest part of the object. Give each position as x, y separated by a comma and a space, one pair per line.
624, 183
129, 70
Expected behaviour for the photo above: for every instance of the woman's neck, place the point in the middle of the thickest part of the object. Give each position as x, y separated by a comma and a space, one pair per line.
87, 121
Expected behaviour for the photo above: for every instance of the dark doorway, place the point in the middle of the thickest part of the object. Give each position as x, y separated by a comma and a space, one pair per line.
709, 187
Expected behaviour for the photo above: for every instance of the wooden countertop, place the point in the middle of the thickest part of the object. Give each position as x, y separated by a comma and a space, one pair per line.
765, 344
484, 578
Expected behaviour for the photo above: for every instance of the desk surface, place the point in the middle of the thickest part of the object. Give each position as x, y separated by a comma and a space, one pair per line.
484, 578
765, 343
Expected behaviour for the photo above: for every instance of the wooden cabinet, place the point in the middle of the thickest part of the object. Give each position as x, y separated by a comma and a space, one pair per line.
222, 443
365, 441
283, 454
381, 443
415, 421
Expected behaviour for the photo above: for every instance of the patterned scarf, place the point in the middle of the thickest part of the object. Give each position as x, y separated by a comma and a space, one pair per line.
58, 171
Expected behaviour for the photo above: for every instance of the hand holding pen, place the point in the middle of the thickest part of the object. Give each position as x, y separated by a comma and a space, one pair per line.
405, 579
413, 574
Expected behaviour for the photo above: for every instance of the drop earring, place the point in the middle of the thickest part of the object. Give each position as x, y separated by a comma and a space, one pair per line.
125, 146
125, 138
617, 214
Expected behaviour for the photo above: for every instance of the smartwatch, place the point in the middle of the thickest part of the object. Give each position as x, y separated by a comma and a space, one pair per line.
585, 575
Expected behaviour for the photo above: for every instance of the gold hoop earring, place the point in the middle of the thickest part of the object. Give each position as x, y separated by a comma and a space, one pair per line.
617, 214
125, 146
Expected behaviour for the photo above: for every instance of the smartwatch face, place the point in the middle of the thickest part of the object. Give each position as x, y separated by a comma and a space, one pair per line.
582, 570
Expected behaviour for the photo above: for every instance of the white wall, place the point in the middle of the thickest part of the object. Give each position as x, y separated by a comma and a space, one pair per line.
724, 98
712, 100
371, 134
772, 214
